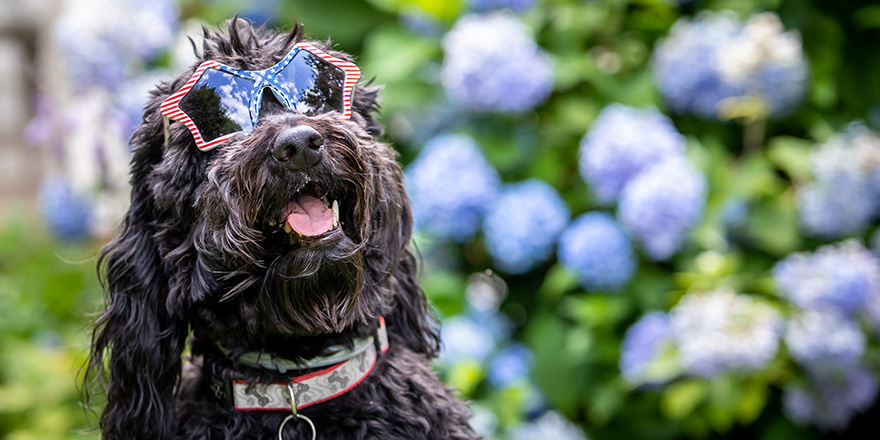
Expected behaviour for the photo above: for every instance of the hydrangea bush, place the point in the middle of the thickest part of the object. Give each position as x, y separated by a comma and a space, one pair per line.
637, 219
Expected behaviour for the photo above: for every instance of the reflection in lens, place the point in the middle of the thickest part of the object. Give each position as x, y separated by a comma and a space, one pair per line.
316, 84
218, 104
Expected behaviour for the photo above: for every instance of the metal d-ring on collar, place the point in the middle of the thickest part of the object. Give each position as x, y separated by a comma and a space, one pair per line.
294, 414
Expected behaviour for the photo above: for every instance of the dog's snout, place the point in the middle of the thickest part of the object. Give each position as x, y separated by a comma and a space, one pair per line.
298, 147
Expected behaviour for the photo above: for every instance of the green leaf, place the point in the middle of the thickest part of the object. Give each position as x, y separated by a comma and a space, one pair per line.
596, 310
791, 155
682, 398
774, 225
392, 54
752, 401
558, 281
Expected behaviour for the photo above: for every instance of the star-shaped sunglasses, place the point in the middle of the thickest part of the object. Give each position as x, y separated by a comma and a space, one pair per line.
220, 101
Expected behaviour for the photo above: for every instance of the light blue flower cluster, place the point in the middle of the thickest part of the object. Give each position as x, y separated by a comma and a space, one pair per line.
841, 276
551, 425
513, 5
511, 364
621, 143
643, 345
818, 338
451, 185
464, 339
598, 250
492, 64
67, 215
102, 43
712, 57
720, 331
522, 226
830, 399
662, 204
845, 195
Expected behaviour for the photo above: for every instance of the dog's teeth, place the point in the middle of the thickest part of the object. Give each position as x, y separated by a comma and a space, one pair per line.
335, 213
326, 202
287, 227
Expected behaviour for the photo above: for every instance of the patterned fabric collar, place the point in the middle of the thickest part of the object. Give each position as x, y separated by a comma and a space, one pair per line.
307, 389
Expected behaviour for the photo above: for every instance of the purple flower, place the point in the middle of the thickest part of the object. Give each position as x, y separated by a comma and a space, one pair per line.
830, 399
684, 64
598, 250
551, 425
492, 64
621, 143
817, 338
67, 214
643, 344
662, 204
464, 339
710, 58
841, 276
720, 331
102, 40
843, 198
451, 185
512, 364
513, 5
522, 226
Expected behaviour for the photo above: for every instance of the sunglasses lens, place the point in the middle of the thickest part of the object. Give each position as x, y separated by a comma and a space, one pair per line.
316, 84
218, 104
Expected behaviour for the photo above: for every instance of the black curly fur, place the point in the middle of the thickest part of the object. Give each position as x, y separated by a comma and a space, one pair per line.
196, 253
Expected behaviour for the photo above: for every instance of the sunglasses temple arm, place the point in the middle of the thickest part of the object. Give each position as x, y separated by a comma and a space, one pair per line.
165, 124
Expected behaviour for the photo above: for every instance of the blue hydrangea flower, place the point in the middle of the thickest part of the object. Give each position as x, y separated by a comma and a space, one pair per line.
492, 64
817, 338
841, 276
712, 57
510, 365
621, 143
483, 421
644, 342
464, 339
551, 425
829, 400
131, 98
451, 185
598, 250
67, 214
101, 41
843, 198
767, 62
720, 331
513, 5
662, 204
522, 226
685, 61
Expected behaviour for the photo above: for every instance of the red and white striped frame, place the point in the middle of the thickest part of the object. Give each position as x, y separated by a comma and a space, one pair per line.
352, 75
170, 107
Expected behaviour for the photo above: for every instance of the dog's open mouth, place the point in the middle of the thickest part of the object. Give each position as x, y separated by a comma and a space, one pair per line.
310, 217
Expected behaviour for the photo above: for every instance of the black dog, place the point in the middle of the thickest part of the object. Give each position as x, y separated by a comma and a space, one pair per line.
282, 292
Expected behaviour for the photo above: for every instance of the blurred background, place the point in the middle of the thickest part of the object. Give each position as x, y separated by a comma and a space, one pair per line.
638, 218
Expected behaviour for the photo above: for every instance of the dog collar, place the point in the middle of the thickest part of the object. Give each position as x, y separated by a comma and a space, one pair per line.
308, 389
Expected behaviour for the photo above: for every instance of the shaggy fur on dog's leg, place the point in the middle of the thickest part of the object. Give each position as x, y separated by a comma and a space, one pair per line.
201, 252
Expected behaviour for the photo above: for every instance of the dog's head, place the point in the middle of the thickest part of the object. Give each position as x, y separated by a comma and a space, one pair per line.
297, 226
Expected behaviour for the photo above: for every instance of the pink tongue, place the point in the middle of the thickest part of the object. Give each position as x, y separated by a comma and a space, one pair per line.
309, 216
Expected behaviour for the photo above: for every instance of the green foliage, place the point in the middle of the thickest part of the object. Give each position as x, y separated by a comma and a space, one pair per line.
47, 291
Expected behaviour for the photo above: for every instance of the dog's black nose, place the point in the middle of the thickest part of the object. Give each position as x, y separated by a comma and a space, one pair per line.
299, 147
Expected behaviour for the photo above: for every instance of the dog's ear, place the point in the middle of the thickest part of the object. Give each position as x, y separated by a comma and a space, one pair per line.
140, 336
390, 254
